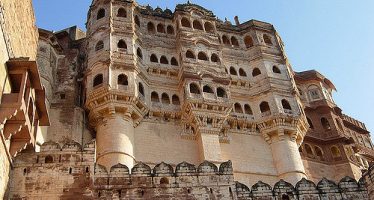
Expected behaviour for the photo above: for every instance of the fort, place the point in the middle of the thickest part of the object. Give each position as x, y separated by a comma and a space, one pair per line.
159, 104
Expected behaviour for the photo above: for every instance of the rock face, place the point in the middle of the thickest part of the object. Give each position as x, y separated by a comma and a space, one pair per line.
144, 86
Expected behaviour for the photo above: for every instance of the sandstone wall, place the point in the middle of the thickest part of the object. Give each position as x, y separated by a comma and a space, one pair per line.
18, 38
69, 172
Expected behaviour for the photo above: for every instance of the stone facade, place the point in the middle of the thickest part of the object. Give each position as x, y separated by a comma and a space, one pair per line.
144, 86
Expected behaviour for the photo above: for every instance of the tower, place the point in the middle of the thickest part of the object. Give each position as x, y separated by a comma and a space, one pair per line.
115, 94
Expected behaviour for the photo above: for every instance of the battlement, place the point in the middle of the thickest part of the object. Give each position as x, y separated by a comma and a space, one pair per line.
77, 175
353, 122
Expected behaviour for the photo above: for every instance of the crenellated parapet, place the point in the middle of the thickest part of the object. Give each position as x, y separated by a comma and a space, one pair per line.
75, 174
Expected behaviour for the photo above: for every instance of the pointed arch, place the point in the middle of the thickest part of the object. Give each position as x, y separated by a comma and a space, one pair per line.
221, 92
122, 80
100, 14
174, 61
256, 71
122, 44
185, 22
151, 28
238, 108
197, 25
214, 58
99, 45
325, 123
233, 71
155, 97
141, 88
139, 53
248, 109
121, 12
165, 98
267, 40
225, 40
164, 60
137, 21
170, 30
234, 41
175, 100
248, 41
286, 105
242, 72
202, 56
194, 88
190, 54
154, 58
160, 28
276, 70
208, 89
264, 107
209, 27
98, 80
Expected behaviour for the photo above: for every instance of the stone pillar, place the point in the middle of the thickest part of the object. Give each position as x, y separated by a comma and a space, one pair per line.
286, 156
209, 147
115, 141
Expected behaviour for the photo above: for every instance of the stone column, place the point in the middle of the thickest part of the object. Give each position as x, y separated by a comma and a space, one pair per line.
286, 156
115, 141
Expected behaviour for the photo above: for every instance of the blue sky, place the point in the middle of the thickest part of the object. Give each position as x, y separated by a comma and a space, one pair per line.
335, 37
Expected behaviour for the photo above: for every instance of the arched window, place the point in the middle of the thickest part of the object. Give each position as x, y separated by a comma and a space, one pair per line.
48, 159
335, 151
225, 40
121, 13
175, 100
154, 97
151, 28
318, 151
325, 123
137, 21
234, 41
190, 54
197, 25
194, 89
100, 14
276, 70
214, 58
98, 80
141, 89
286, 105
238, 108
99, 45
267, 40
208, 89
256, 72
174, 61
122, 80
308, 149
165, 98
185, 22
209, 27
233, 71
248, 109
164, 60
139, 53
170, 30
310, 123
242, 72
264, 107
160, 28
221, 92
122, 45
248, 41
154, 58
202, 56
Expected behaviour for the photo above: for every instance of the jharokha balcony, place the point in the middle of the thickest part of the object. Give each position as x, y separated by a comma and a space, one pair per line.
22, 110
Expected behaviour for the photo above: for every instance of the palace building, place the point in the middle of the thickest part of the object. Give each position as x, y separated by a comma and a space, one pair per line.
160, 104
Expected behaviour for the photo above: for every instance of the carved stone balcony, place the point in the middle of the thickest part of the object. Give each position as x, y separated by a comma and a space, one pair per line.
24, 109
